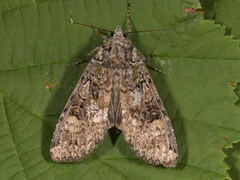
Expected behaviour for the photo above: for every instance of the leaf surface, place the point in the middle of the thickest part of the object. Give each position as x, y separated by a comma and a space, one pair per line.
36, 45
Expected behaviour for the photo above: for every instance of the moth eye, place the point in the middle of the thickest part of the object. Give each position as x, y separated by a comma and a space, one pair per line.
112, 33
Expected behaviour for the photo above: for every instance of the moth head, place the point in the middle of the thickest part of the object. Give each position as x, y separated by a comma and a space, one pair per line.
118, 33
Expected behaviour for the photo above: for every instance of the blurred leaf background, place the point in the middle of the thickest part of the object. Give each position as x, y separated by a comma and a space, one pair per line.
201, 97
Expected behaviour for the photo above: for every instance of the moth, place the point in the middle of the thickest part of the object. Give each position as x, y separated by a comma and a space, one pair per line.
115, 89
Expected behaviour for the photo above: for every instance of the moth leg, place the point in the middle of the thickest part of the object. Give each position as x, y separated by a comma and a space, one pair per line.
150, 65
105, 38
89, 55
128, 19
93, 51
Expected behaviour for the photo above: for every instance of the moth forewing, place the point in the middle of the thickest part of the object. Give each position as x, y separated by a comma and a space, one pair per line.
145, 123
83, 122
115, 89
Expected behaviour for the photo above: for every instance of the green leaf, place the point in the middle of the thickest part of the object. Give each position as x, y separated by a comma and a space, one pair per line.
233, 160
224, 12
36, 45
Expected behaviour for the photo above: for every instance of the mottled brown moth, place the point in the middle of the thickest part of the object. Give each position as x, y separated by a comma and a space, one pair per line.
115, 89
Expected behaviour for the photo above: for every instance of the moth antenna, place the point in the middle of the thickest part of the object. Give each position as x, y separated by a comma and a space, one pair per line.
91, 26
156, 30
